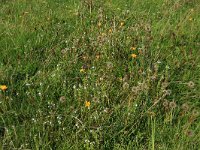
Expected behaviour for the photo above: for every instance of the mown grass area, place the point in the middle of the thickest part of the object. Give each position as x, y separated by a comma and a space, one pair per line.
100, 74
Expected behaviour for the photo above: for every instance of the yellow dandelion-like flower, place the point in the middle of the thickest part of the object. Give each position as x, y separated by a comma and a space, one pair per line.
110, 30
103, 34
87, 104
122, 24
133, 48
82, 70
133, 55
3, 87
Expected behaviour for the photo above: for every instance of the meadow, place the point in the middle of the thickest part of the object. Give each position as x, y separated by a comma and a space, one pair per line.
99, 74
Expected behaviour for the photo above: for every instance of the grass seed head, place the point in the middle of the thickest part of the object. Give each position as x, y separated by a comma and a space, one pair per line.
172, 105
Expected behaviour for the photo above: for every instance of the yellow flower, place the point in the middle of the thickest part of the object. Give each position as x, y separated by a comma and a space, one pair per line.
3, 87
87, 104
82, 70
122, 24
133, 48
103, 34
133, 55
110, 31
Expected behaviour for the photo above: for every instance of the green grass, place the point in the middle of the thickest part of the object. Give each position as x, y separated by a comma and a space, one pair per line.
56, 55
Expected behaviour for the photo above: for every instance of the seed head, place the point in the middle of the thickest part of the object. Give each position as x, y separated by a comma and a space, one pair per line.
172, 105
62, 99
185, 107
166, 103
189, 133
195, 113
135, 90
125, 85
191, 84
167, 92
97, 56
109, 65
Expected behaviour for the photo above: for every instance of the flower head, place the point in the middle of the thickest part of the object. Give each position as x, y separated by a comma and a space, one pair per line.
185, 107
133, 55
109, 65
165, 104
62, 99
82, 70
191, 84
103, 34
3, 87
172, 105
97, 56
133, 48
125, 85
190, 133
87, 104
167, 92
122, 24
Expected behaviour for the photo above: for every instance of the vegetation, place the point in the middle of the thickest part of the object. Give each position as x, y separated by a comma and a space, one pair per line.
100, 74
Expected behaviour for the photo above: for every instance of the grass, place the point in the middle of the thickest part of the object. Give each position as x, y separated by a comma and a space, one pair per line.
73, 83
